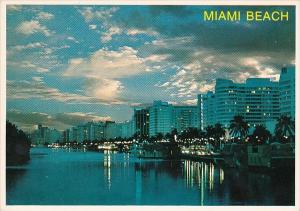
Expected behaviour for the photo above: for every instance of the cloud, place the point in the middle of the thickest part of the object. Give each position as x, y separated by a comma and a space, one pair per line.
172, 43
44, 16
36, 57
135, 31
72, 39
157, 58
28, 66
28, 120
206, 65
97, 91
103, 89
38, 79
14, 7
28, 46
104, 68
31, 27
77, 118
104, 13
108, 64
260, 65
37, 89
111, 31
205, 52
190, 102
109, 26
92, 26
205, 87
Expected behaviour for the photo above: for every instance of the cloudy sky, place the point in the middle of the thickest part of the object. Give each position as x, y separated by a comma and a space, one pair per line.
70, 64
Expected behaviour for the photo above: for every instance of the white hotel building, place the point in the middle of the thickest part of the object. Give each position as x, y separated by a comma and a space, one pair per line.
258, 100
164, 117
287, 91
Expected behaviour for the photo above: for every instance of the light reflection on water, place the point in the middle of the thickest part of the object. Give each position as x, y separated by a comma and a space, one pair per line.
202, 175
109, 178
107, 170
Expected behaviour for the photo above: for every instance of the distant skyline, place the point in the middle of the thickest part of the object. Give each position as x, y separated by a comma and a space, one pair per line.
70, 64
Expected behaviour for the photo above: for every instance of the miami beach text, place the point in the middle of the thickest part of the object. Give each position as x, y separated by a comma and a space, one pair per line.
249, 15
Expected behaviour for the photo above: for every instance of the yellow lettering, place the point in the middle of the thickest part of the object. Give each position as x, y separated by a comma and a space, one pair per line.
222, 16
266, 16
258, 16
284, 15
209, 17
275, 16
234, 16
250, 15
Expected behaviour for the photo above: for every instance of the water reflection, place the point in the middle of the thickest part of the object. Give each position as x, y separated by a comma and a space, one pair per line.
126, 157
200, 173
13, 175
109, 178
107, 170
138, 186
203, 175
221, 176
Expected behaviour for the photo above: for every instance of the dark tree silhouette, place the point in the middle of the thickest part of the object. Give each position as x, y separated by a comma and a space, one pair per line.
17, 145
210, 131
285, 129
238, 127
214, 134
168, 136
152, 139
261, 134
219, 133
173, 133
160, 136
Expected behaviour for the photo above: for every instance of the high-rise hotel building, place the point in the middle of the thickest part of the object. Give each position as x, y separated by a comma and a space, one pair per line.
287, 91
206, 110
184, 117
164, 117
258, 100
141, 122
160, 118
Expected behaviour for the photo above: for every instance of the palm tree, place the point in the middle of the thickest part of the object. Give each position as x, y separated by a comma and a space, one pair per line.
168, 136
261, 134
192, 132
285, 128
152, 139
159, 136
188, 134
238, 127
210, 131
201, 136
215, 133
210, 134
219, 133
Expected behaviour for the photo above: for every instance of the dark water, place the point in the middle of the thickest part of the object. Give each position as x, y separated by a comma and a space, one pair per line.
62, 177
